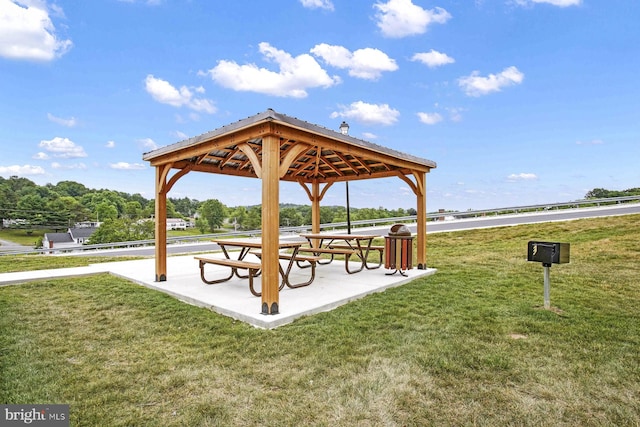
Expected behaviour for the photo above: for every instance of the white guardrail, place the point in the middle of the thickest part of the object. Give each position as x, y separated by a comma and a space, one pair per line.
434, 216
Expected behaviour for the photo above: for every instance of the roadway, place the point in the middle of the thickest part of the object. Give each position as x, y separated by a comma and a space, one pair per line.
432, 227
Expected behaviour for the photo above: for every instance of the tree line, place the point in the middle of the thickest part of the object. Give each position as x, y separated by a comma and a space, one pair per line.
601, 193
126, 217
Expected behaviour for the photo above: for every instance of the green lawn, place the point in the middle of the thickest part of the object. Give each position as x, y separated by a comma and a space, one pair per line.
9, 264
21, 236
469, 345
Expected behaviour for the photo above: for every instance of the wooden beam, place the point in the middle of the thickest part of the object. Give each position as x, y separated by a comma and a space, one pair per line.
331, 165
292, 154
253, 158
182, 172
328, 143
220, 143
410, 183
270, 224
223, 162
161, 223
421, 218
315, 206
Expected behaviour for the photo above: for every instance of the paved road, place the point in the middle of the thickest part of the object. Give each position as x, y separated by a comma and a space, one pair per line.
6, 245
433, 227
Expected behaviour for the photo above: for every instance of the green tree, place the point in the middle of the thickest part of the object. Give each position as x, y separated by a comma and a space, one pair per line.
59, 212
33, 208
70, 188
133, 209
326, 214
238, 216
186, 207
253, 221
122, 230
290, 217
105, 210
214, 212
150, 209
601, 193
202, 224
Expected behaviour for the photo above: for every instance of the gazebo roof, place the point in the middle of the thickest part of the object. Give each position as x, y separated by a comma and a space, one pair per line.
309, 152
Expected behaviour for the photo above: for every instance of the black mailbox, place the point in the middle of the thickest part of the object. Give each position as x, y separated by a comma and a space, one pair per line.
548, 252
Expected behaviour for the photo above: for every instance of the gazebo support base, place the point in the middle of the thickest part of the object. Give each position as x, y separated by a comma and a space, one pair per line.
274, 308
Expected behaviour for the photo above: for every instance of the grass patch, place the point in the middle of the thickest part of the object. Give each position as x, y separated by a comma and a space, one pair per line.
467, 346
13, 263
27, 237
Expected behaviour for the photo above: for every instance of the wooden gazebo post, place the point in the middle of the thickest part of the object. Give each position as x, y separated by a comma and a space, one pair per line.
421, 218
161, 222
270, 223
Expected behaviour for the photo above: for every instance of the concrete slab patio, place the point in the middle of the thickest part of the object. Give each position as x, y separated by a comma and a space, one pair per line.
331, 288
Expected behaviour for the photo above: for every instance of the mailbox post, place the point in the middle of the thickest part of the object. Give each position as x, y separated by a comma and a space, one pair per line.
548, 253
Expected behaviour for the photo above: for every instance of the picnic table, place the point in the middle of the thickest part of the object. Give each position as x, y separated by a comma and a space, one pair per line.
359, 245
254, 268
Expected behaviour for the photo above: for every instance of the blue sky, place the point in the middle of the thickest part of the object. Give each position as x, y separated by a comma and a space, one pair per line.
518, 101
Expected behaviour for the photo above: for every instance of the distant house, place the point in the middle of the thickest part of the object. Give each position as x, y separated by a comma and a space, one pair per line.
57, 240
74, 237
87, 224
176, 224
81, 235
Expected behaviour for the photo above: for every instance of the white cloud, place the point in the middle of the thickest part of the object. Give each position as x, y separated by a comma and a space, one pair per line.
372, 114
110, 144
41, 156
148, 144
430, 118
369, 135
367, 63
56, 165
400, 18
294, 77
317, 4
180, 135
560, 3
63, 147
27, 32
433, 58
70, 122
476, 85
165, 93
126, 166
18, 170
522, 177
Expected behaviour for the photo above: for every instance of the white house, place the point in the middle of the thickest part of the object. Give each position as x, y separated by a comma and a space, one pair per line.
74, 237
176, 224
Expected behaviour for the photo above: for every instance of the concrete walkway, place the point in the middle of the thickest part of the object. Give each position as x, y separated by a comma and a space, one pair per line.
331, 288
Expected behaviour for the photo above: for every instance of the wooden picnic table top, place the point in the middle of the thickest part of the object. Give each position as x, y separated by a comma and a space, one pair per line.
339, 236
254, 244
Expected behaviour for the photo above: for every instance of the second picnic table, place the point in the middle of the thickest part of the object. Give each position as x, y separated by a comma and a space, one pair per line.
359, 245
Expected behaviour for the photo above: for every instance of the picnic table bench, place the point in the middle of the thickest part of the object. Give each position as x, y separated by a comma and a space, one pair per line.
234, 264
298, 258
370, 248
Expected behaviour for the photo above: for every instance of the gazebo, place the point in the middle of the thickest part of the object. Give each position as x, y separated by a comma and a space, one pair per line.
275, 147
